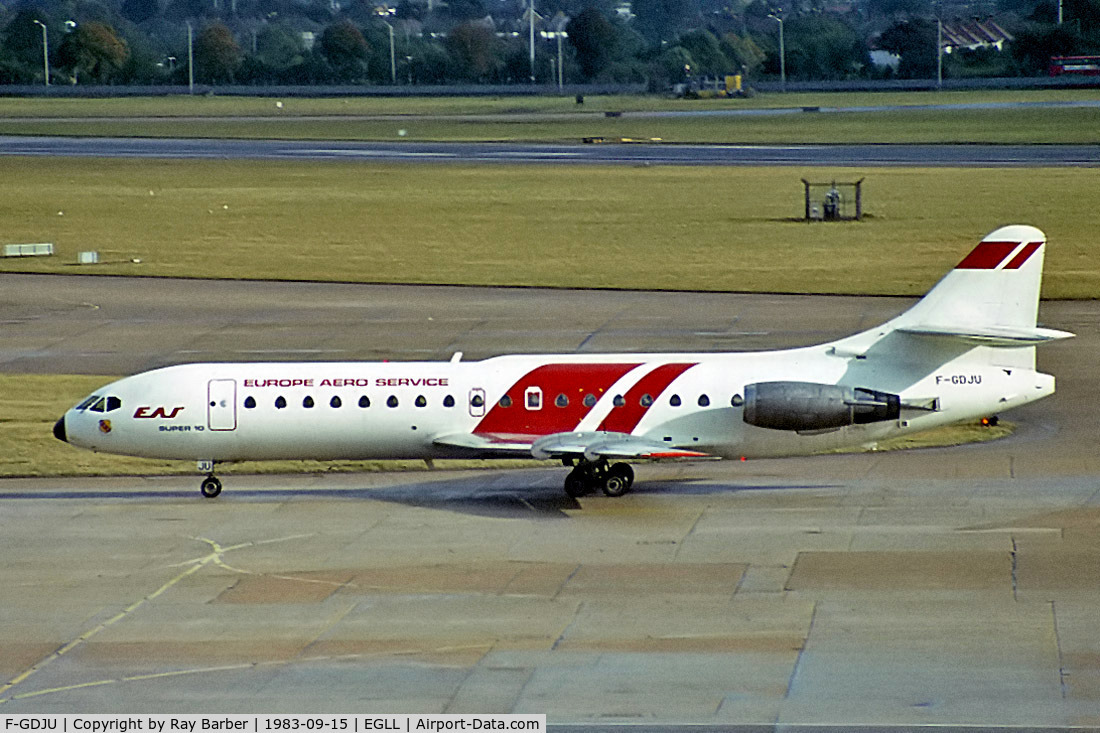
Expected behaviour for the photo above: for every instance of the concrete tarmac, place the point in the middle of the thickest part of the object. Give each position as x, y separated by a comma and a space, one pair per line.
948, 586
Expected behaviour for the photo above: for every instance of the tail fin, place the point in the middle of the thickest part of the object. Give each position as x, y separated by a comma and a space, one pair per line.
991, 297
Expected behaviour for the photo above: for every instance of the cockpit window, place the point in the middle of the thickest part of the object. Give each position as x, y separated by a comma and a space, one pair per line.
87, 403
113, 403
99, 405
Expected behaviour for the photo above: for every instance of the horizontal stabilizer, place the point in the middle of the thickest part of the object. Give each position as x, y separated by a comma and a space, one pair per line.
1000, 336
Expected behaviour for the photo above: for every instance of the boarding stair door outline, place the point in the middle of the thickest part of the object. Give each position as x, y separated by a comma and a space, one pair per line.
221, 404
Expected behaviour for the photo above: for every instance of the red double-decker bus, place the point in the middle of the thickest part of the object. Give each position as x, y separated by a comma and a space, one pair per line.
1084, 65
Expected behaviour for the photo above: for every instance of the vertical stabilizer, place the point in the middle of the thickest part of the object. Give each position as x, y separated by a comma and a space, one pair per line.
991, 297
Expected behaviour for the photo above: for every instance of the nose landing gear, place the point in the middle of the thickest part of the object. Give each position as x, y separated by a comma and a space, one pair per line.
586, 476
211, 486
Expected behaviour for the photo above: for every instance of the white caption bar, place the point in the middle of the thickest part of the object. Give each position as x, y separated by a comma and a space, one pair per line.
269, 723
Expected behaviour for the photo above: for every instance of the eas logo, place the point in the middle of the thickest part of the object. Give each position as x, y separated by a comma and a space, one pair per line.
149, 412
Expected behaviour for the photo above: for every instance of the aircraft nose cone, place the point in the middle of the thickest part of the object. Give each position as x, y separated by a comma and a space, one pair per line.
59, 430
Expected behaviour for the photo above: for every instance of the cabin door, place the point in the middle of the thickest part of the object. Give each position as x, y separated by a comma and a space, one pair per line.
221, 404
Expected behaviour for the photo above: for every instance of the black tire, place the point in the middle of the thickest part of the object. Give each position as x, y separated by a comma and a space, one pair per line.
618, 480
210, 487
577, 484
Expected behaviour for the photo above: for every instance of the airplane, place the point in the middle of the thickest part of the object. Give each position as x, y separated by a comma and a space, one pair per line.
964, 351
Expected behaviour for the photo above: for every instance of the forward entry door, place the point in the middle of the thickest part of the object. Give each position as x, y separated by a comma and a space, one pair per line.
221, 404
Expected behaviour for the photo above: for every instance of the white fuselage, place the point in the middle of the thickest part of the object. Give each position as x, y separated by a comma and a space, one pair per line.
230, 412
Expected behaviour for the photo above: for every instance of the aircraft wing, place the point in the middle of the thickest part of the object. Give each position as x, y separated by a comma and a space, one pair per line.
591, 446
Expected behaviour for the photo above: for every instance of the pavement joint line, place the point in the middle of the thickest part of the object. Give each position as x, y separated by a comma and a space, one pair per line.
195, 565
798, 660
691, 531
1062, 674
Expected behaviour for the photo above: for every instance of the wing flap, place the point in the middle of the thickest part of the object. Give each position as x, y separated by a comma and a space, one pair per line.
592, 446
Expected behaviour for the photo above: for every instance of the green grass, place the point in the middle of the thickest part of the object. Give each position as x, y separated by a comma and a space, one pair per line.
215, 106
560, 119
30, 404
681, 228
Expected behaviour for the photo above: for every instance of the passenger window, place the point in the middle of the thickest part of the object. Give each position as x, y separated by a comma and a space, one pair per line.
703, 400
561, 401
646, 400
533, 398
618, 401
477, 400
505, 401
307, 402
98, 406
113, 403
448, 401
249, 402
392, 401
737, 400
364, 401
674, 400
335, 401
280, 402
420, 401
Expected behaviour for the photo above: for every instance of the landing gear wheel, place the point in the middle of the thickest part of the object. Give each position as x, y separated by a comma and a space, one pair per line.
618, 480
210, 487
577, 484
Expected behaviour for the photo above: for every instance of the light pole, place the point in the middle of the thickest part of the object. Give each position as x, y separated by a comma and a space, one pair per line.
393, 62
782, 53
531, 41
45, 51
939, 53
558, 72
190, 60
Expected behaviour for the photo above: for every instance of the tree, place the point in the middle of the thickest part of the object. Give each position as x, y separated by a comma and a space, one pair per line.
820, 47
744, 52
92, 51
707, 53
594, 39
915, 42
475, 51
346, 49
217, 54
663, 20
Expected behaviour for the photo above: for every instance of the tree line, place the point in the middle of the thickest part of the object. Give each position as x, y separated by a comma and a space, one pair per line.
659, 42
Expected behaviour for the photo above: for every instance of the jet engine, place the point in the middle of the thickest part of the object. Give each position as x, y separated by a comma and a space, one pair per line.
807, 406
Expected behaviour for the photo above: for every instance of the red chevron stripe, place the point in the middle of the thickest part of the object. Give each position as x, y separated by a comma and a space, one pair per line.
987, 255
574, 381
1023, 256
624, 419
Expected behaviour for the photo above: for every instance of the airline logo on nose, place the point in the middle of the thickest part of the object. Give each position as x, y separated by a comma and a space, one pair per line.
104, 426
161, 412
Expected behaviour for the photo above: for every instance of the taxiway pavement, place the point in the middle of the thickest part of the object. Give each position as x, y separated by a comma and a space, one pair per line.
947, 586
985, 156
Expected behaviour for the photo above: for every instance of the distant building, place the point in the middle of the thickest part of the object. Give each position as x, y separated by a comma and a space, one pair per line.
973, 34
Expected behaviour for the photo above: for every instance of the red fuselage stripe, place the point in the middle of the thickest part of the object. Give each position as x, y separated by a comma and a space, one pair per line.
1023, 256
573, 382
987, 255
624, 419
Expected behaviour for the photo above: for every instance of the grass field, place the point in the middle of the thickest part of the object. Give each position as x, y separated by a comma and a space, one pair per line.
684, 228
560, 119
29, 405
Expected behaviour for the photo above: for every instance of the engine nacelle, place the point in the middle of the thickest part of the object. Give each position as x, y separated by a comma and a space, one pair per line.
808, 406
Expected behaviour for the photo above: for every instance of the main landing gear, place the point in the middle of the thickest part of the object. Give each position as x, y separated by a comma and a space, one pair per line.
211, 486
587, 476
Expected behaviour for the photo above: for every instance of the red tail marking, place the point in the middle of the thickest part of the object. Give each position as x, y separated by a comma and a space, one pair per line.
624, 419
987, 255
575, 381
1023, 256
